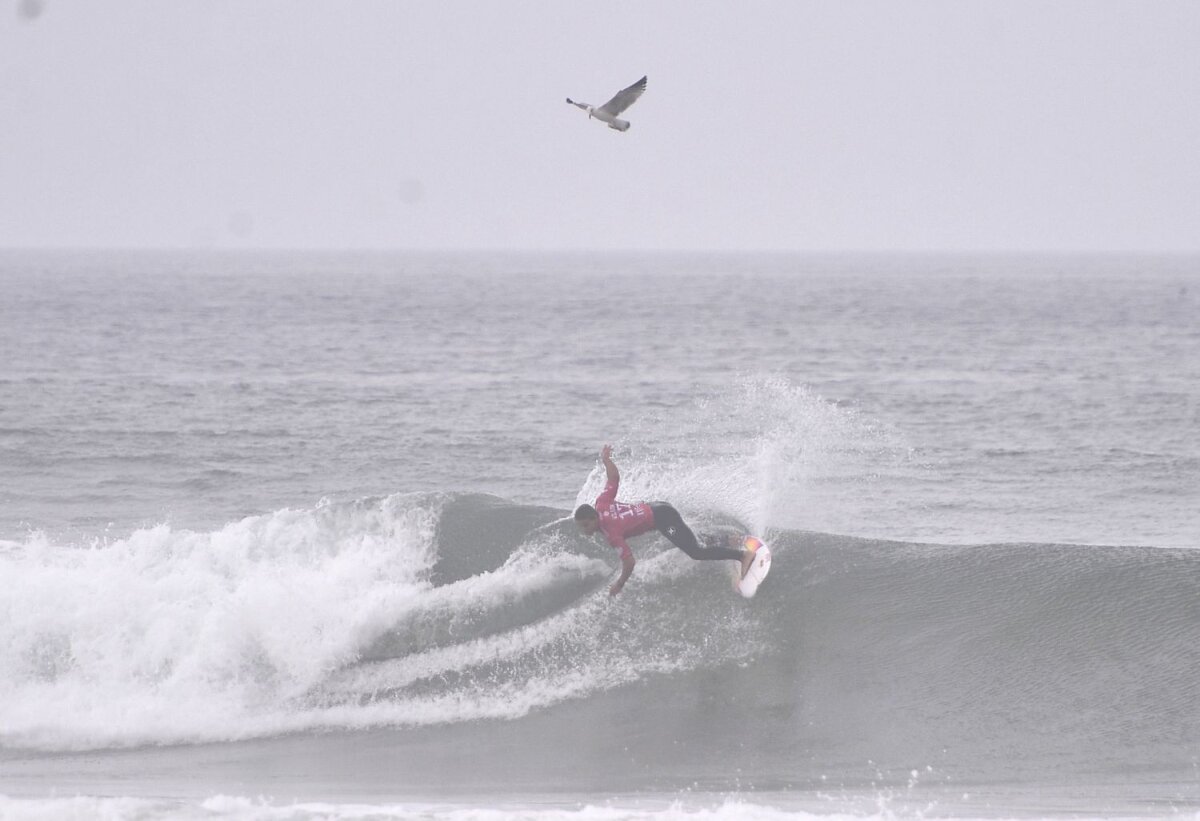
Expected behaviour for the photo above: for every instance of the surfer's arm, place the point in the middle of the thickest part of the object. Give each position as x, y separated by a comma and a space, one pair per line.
612, 481
610, 467
627, 564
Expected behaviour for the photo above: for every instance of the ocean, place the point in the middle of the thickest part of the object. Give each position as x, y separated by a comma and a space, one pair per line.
287, 536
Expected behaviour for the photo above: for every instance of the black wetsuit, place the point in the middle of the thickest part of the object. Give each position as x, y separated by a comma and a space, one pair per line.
670, 524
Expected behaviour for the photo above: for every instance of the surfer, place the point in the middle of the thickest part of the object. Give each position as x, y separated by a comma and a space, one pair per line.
621, 520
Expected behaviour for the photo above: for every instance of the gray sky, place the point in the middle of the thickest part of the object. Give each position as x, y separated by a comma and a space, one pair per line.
812, 126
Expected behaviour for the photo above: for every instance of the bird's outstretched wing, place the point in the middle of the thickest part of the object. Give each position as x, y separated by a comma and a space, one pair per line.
624, 99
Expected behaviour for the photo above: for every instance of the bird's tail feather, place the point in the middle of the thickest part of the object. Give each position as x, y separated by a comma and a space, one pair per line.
620, 125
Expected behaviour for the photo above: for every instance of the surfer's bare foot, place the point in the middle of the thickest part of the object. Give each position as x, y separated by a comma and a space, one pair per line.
747, 561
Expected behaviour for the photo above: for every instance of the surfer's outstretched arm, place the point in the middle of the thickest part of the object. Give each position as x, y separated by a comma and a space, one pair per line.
627, 563
610, 467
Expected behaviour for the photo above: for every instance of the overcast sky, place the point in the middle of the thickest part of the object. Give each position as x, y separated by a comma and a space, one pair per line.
812, 126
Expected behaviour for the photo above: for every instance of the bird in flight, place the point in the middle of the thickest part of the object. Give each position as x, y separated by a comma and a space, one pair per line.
608, 112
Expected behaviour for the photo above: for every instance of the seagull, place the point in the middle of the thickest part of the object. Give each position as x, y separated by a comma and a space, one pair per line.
609, 111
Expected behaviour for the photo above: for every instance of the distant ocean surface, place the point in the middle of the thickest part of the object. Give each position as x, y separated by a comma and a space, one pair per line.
286, 536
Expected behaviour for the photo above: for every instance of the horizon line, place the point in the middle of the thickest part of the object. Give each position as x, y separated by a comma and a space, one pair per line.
632, 251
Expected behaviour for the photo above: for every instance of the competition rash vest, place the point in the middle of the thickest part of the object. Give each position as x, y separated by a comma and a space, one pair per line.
621, 520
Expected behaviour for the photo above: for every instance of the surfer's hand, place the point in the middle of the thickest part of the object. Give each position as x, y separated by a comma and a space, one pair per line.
606, 452
627, 563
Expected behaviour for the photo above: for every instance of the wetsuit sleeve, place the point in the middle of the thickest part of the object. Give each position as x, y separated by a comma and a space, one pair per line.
622, 546
607, 496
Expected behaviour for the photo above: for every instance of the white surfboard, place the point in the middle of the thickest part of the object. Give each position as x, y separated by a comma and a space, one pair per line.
748, 585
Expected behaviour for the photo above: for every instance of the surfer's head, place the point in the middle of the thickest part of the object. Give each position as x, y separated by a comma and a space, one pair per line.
587, 518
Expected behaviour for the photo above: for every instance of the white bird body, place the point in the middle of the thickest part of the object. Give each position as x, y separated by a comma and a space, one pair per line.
608, 112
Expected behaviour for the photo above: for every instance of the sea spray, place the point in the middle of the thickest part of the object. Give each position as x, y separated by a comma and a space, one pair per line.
787, 458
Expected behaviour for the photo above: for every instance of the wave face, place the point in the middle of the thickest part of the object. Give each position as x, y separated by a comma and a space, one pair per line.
475, 625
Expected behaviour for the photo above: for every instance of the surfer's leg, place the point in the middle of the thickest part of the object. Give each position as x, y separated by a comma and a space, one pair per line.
671, 524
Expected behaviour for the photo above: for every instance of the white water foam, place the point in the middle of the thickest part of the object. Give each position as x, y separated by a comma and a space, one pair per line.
173, 634
238, 808
267, 626
594, 645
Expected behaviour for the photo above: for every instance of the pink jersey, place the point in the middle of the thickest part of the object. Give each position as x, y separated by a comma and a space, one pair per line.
621, 520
